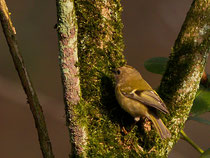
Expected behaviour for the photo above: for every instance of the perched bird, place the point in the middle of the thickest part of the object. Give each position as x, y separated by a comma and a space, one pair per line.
137, 98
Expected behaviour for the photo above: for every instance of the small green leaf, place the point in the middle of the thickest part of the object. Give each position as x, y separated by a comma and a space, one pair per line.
199, 119
156, 65
206, 154
202, 102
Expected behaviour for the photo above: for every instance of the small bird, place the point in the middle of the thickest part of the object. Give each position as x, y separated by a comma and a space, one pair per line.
137, 98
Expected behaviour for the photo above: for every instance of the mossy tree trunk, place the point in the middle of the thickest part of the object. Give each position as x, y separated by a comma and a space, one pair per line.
91, 46
185, 67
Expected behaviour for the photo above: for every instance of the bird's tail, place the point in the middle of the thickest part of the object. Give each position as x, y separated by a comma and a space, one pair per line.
160, 127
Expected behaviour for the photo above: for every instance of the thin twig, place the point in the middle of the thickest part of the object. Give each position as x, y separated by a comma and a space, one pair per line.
36, 109
186, 138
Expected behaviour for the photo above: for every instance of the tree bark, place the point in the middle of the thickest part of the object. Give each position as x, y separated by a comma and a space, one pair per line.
68, 57
185, 68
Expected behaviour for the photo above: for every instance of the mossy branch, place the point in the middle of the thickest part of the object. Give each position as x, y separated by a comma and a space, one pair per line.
36, 109
185, 68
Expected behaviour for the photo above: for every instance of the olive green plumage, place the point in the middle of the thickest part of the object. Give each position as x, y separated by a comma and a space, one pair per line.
137, 98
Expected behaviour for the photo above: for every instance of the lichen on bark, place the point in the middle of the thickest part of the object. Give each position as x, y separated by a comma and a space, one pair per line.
185, 68
68, 57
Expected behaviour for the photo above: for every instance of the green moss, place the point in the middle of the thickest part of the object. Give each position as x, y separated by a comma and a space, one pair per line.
185, 67
100, 51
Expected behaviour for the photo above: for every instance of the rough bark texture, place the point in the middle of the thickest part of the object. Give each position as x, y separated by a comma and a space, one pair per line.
185, 68
68, 57
36, 109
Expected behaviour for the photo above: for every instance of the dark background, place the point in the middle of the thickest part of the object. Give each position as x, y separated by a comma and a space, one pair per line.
150, 29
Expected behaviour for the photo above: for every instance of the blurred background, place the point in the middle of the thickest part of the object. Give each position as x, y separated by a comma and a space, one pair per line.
150, 29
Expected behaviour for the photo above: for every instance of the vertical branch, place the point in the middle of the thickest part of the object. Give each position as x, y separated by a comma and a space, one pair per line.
100, 47
185, 67
33, 101
68, 57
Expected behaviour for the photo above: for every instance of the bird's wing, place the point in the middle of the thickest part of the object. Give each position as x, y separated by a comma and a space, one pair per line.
147, 97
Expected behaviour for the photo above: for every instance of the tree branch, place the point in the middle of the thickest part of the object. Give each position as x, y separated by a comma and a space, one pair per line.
32, 98
185, 68
186, 138
68, 57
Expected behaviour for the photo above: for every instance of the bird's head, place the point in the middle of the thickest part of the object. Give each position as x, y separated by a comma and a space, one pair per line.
126, 73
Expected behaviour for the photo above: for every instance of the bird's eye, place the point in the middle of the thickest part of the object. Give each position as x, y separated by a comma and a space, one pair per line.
118, 72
